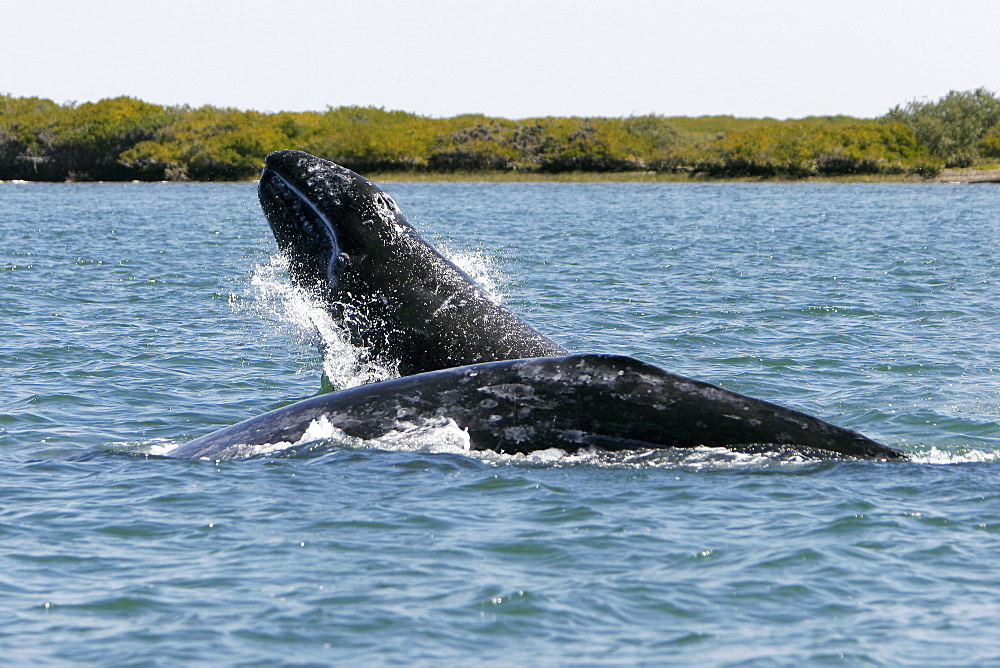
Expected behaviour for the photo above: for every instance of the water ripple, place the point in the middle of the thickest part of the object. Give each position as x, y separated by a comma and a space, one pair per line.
137, 322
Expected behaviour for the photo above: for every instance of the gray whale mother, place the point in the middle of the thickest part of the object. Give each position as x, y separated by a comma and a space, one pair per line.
579, 401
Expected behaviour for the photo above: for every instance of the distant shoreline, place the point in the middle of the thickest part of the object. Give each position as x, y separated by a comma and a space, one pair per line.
946, 176
635, 177
968, 176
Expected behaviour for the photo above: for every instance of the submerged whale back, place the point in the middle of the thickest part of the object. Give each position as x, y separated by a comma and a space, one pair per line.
573, 402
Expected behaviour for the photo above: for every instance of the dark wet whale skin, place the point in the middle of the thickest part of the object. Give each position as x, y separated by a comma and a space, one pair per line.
350, 246
607, 401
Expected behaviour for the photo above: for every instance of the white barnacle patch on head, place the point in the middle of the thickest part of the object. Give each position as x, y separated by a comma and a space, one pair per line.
391, 203
386, 210
325, 183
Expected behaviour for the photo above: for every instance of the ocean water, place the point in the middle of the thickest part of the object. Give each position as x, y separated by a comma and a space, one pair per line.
134, 317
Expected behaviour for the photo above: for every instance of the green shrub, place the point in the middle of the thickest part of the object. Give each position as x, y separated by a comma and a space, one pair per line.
953, 127
989, 146
467, 160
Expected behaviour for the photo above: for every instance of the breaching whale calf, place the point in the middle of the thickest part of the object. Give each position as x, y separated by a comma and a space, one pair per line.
349, 245
579, 401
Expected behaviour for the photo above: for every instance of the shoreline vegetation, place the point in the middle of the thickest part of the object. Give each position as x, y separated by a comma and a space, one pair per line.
956, 138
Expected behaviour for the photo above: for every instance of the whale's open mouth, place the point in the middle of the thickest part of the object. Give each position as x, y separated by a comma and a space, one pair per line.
280, 189
302, 229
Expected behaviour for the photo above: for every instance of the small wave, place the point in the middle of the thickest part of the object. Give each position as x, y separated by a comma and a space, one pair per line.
155, 447
704, 459
962, 455
438, 435
444, 436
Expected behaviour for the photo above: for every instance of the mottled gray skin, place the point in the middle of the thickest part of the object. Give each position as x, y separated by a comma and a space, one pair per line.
350, 246
579, 401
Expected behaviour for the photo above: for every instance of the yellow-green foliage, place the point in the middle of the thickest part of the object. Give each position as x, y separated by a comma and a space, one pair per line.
367, 138
71, 141
990, 144
953, 127
208, 143
555, 144
125, 138
809, 148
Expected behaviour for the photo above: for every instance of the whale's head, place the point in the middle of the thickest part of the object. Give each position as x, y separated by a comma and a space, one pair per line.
325, 217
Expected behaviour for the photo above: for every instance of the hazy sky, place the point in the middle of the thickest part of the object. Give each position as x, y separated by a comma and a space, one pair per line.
505, 58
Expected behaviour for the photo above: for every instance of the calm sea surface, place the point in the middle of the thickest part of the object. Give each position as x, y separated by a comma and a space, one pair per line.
134, 317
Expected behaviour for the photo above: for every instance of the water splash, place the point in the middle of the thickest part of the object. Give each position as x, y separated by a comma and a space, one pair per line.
481, 267
297, 313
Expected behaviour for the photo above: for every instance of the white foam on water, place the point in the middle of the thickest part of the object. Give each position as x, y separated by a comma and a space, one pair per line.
156, 447
434, 435
320, 429
702, 459
444, 435
437, 435
963, 455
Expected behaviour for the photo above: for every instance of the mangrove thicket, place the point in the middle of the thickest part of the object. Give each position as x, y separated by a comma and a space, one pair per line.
127, 139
